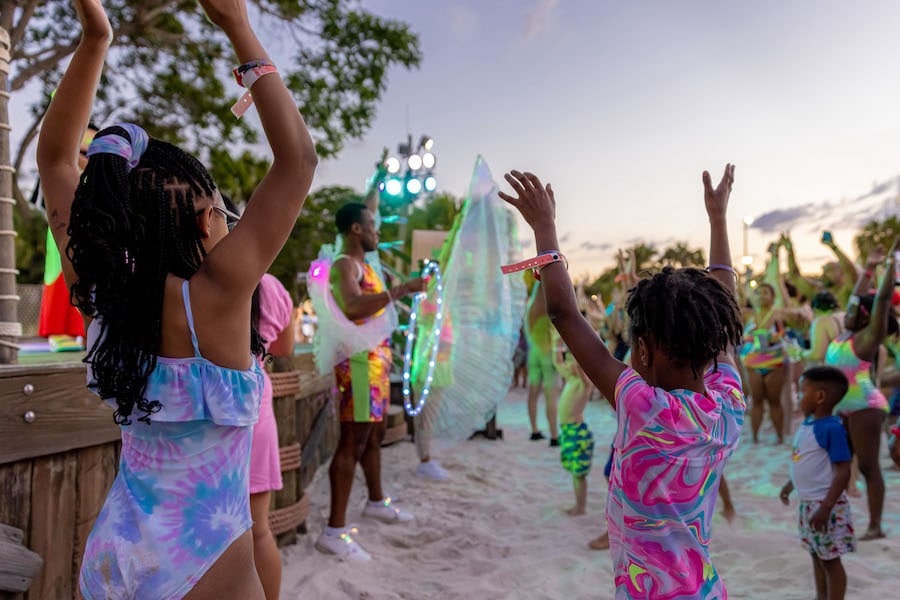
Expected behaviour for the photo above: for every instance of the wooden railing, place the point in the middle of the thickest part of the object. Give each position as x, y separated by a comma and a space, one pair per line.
59, 454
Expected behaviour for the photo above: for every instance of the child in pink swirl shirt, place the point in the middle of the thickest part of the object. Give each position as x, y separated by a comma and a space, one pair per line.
680, 409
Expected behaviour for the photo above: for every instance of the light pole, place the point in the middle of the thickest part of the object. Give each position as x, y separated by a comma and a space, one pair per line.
411, 172
747, 259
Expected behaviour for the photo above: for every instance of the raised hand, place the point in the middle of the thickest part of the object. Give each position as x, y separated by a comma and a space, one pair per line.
717, 199
94, 22
533, 200
415, 285
786, 240
875, 257
226, 13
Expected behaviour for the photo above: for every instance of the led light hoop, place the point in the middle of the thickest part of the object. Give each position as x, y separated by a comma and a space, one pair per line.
431, 269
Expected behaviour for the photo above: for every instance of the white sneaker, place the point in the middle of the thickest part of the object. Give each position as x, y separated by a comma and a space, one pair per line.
342, 545
432, 470
386, 512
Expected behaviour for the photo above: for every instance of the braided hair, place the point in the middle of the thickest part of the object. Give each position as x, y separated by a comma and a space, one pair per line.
128, 231
691, 316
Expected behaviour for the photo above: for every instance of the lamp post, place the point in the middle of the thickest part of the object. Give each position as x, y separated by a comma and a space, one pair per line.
410, 172
410, 175
747, 259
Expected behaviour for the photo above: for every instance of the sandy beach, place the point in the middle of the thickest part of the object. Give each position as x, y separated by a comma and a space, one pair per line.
497, 529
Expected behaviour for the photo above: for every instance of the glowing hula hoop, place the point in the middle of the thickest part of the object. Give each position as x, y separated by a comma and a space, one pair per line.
431, 270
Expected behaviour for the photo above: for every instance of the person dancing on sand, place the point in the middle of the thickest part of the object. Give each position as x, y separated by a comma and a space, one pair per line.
165, 288
864, 408
680, 410
363, 387
541, 372
820, 471
763, 357
576, 440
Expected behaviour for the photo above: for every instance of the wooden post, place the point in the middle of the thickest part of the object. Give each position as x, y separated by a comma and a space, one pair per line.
18, 564
10, 328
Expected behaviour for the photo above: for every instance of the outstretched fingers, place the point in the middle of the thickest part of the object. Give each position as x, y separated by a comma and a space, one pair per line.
707, 183
520, 191
728, 176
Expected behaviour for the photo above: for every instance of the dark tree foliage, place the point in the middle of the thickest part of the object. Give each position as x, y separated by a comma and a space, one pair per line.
169, 69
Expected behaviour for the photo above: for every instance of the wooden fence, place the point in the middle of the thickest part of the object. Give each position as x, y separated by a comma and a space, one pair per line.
59, 454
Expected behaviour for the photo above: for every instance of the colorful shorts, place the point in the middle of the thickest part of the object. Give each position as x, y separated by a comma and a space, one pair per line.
576, 446
364, 386
837, 539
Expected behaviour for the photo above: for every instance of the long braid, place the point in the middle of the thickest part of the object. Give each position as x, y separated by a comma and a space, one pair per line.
691, 316
128, 231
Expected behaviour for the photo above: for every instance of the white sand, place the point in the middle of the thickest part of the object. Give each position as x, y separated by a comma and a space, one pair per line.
497, 528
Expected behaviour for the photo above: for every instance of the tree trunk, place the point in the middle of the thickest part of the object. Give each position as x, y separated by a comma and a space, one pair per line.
10, 328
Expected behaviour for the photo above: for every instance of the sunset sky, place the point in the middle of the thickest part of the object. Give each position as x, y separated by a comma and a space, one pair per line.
621, 105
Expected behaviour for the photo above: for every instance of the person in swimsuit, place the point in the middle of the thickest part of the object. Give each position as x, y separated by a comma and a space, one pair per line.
165, 289
864, 408
763, 357
680, 409
541, 372
827, 325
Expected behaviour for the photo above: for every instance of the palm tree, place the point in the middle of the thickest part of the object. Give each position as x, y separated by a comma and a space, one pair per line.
682, 255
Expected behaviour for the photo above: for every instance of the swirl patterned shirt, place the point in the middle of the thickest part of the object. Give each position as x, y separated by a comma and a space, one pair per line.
670, 451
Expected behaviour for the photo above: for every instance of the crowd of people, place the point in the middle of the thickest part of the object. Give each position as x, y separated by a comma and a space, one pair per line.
179, 314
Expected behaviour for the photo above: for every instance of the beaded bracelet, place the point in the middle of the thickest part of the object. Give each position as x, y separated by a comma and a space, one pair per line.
717, 267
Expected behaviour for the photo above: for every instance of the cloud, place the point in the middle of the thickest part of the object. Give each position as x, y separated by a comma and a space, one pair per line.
782, 219
537, 18
600, 246
852, 213
565, 237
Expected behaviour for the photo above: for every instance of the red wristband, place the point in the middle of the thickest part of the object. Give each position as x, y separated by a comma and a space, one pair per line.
536, 264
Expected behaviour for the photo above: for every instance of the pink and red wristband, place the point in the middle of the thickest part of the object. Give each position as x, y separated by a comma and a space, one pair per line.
537, 263
246, 75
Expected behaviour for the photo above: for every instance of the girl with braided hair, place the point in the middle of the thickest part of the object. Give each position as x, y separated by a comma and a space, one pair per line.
165, 289
680, 408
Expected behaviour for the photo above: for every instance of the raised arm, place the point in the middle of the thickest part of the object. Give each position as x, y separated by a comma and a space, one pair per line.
537, 205
793, 275
66, 121
867, 341
773, 277
847, 266
239, 261
716, 201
